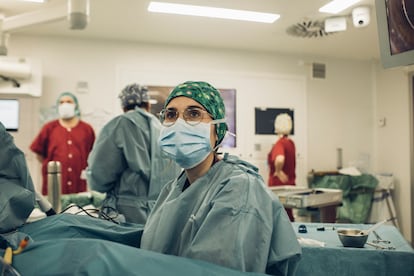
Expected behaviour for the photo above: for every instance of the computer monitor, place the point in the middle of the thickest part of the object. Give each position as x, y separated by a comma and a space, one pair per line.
9, 114
395, 22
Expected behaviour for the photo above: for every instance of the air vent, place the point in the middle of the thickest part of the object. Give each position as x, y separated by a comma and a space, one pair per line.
308, 28
318, 70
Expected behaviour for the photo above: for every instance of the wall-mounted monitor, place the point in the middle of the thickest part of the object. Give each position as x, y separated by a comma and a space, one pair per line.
265, 119
9, 114
395, 22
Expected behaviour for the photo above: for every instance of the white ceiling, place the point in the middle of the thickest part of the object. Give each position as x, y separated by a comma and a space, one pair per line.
129, 20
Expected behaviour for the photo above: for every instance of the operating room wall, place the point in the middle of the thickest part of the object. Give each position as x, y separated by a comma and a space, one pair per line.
339, 111
393, 137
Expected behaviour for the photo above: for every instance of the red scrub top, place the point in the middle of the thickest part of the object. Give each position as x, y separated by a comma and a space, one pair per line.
284, 146
70, 146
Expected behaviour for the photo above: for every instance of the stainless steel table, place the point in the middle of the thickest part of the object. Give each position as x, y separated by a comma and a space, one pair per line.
326, 200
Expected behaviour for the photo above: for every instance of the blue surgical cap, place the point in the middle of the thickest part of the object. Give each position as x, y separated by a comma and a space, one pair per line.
77, 110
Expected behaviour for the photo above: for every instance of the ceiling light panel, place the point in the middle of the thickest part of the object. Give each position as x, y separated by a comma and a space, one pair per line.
213, 12
336, 6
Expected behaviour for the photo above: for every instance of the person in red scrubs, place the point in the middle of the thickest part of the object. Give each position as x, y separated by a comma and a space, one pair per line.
67, 140
282, 158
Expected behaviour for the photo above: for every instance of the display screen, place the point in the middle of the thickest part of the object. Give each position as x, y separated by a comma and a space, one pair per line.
265, 119
395, 20
9, 114
400, 17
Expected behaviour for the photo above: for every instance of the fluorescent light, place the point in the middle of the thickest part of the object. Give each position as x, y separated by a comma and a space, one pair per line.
212, 12
337, 6
36, 1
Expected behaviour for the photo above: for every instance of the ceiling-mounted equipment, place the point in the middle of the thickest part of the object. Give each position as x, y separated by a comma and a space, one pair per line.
16, 69
13, 71
78, 14
4, 38
308, 28
361, 16
20, 76
75, 11
335, 24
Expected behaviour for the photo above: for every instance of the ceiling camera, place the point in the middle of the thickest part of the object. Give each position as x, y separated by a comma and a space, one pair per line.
361, 16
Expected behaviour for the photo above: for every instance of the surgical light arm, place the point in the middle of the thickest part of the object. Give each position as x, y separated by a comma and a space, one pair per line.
76, 11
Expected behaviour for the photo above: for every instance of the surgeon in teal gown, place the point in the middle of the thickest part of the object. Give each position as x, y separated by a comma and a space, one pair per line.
219, 209
126, 162
17, 193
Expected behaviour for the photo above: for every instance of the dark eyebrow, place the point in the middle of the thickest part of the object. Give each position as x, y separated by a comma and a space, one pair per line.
188, 107
195, 106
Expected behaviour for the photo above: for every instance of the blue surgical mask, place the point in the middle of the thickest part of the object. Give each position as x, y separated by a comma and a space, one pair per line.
186, 144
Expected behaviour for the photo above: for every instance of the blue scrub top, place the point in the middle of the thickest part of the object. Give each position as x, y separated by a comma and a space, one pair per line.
126, 164
17, 195
227, 217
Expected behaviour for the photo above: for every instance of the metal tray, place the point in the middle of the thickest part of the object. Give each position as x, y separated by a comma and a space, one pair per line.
301, 197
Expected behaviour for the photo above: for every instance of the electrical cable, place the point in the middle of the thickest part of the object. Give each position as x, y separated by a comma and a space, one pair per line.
86, 211
15, 82
7, 269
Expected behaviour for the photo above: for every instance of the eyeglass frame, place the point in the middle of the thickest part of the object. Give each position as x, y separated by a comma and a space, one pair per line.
185, 118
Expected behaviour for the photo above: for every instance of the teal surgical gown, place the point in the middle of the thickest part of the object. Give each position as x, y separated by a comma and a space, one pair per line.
17, 195
126, 164
227, 217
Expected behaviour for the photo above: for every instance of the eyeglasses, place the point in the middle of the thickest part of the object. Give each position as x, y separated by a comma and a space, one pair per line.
191, 115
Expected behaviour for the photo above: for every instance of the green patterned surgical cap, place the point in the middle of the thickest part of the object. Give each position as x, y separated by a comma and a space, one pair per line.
206, 95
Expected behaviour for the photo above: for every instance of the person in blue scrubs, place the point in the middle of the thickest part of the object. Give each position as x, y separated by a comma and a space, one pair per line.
17, 193
126, 162
219, 209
